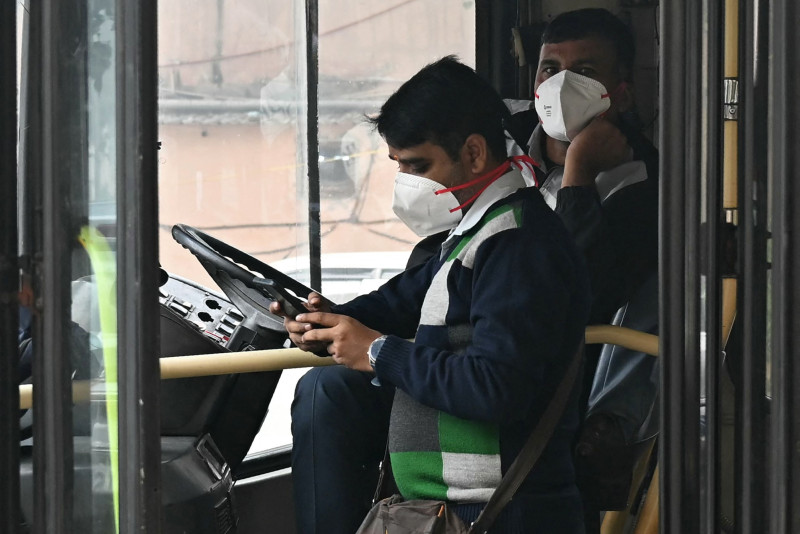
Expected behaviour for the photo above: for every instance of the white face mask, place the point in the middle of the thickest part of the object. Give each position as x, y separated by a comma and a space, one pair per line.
416, 203
567, 102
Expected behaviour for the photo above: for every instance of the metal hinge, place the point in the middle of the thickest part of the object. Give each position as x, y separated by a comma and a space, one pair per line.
731, 99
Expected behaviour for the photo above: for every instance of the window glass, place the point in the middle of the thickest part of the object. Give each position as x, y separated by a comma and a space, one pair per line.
86, 101
85, 109
93, 304
366, 50
230, 110
233, 130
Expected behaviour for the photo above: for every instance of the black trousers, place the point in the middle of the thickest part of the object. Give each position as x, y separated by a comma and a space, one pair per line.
340, 423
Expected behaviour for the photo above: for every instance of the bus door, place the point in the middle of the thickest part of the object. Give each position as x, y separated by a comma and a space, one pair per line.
84, 208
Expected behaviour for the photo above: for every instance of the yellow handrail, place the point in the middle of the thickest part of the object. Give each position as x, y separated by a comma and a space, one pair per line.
275, 359
206, 365
239, 362
649, 515
624, 337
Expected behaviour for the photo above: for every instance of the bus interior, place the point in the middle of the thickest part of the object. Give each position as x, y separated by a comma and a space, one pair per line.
163, 158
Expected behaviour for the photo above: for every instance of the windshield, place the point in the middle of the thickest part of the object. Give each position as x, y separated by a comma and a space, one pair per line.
234, 134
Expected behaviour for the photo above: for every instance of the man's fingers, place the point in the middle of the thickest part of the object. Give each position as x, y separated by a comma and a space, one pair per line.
293, 327
317, 303
319, 318
318, 335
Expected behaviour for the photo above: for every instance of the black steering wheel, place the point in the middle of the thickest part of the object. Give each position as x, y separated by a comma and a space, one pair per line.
239, 275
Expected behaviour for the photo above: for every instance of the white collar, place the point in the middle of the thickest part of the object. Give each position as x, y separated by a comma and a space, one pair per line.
535, 147
607, 182
499, 189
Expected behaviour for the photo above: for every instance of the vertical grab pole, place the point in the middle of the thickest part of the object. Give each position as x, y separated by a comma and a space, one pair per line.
751, 392
680, 252
712, 138
730, 204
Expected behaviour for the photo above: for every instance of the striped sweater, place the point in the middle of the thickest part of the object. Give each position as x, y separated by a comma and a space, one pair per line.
496, 318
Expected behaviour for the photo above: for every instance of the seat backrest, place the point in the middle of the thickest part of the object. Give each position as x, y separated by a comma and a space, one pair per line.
626, 382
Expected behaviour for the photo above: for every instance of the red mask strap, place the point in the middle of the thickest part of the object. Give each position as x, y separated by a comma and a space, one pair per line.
621, 87
613, 94
527, 162
490, 177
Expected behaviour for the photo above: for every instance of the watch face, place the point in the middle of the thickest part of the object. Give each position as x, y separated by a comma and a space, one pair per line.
374, 349
372, 352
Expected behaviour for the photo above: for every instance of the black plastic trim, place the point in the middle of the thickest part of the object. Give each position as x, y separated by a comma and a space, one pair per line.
312, 140
680, 162
9, 273
58, 133
784, 150
137, 265
751, 420
713, 105
493, 58
265, 462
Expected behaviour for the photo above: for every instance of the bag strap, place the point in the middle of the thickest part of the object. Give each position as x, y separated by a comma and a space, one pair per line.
384, 475
531, 451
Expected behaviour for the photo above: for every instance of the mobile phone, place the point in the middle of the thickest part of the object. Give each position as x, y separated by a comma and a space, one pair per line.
290, 303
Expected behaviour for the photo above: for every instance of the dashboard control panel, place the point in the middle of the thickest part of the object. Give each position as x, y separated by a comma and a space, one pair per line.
208, 311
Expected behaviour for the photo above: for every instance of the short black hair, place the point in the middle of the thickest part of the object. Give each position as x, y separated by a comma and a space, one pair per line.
594, 22
444, 103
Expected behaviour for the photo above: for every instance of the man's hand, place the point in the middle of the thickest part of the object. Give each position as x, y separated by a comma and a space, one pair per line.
315, 302
297, 328
598, 147
346, 339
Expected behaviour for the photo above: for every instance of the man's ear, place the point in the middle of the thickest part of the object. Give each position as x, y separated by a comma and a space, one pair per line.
476, 154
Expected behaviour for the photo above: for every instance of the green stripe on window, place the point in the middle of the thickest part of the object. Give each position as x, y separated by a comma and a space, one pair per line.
463, 436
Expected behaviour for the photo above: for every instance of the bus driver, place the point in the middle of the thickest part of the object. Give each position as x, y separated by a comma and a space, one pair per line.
339, 420
491, 340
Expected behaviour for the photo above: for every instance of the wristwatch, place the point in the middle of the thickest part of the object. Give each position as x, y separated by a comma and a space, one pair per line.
374, 349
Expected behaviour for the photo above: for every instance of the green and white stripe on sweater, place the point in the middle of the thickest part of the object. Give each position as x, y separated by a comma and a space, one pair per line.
437, 299
436, 455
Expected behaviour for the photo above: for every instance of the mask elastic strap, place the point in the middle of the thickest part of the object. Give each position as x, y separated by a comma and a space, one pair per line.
621, 87
613, 94
527, 162
490, 177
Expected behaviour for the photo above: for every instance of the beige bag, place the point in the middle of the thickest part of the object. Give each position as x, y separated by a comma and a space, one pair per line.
394, 515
